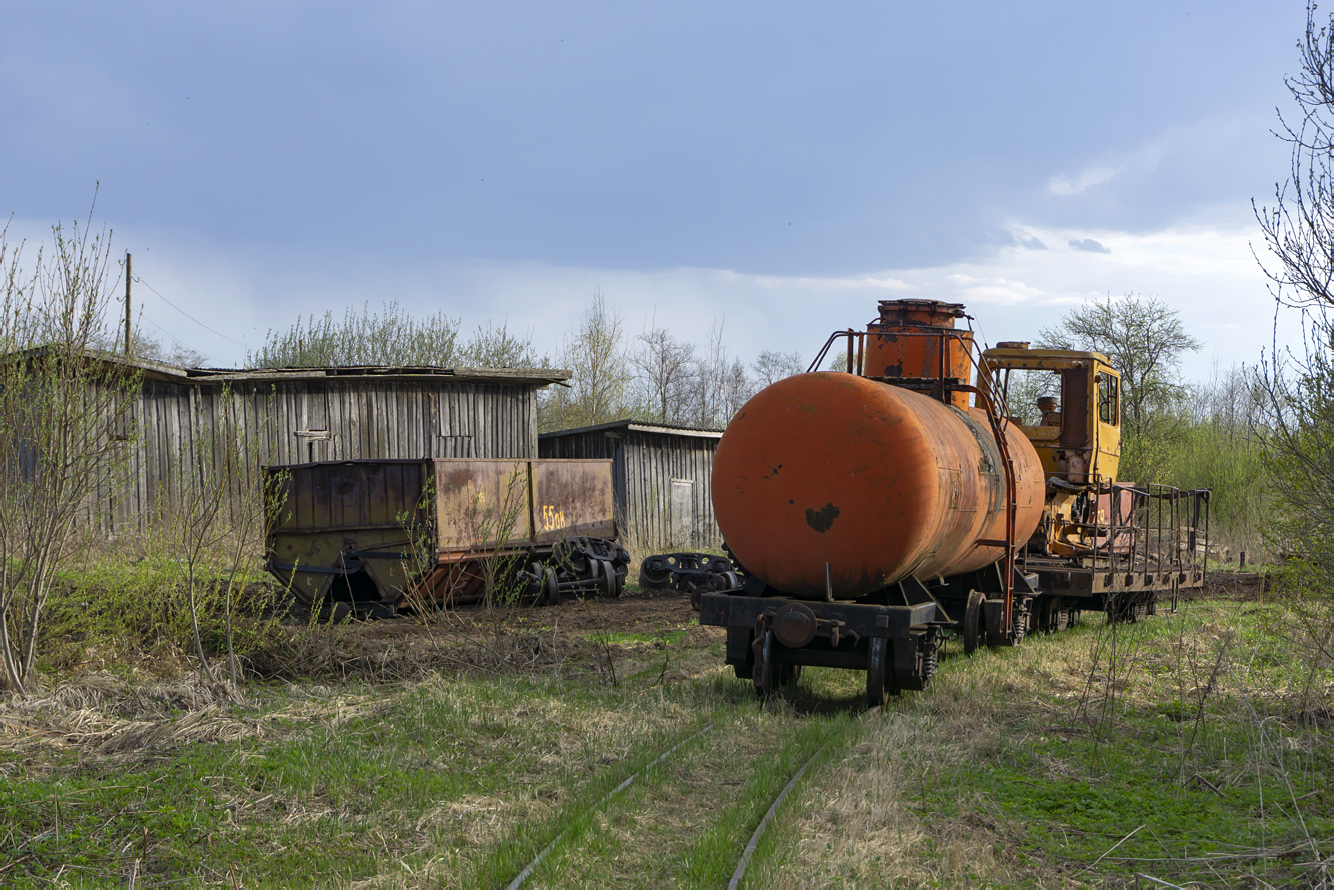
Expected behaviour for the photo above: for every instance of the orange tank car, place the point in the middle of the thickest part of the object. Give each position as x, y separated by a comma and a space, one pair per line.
833, 484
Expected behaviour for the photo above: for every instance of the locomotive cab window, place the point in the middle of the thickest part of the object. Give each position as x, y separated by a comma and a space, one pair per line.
1033, 396
1108, 399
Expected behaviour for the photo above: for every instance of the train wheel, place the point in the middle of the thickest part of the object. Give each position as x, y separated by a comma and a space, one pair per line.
972, 622
611, 581
551, 584
763, 675
534, 590
606, 577
877, 670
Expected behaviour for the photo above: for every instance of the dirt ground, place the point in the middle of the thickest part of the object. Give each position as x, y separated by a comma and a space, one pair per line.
634, 612
580, 633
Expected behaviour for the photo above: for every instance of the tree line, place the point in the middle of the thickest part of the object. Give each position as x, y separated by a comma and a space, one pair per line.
653, 376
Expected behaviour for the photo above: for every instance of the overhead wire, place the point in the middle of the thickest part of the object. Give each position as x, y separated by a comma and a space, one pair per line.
166, 332
139, 280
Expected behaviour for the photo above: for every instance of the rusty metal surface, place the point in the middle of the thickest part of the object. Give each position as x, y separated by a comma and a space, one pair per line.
572, 497
427, 524
332, 511
481, 504
348, 494
876, 481
896, 348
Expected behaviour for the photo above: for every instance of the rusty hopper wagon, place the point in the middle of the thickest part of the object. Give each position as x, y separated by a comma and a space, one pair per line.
370, 536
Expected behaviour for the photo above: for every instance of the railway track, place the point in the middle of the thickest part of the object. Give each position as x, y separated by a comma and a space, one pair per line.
602, 802
823, 747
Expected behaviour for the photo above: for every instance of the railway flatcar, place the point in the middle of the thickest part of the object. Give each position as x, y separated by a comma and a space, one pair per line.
371, 536
874, 511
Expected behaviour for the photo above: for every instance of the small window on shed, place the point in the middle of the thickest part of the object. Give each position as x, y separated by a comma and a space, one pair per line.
1108, 399
317, 409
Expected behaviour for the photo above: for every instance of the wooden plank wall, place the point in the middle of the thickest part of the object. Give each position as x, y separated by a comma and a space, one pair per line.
278, 423
653, 460
643, 467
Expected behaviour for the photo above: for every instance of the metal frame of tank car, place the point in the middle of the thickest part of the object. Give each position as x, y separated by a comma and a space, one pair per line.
1147, 545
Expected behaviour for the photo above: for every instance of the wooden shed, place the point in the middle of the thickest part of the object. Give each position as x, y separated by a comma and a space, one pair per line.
660, 477
300, 415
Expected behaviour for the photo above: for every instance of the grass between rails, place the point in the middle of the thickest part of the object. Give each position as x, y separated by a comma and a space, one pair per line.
1198, 735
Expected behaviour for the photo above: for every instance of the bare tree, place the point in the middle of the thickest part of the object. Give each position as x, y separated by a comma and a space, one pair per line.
217, 523
772, 366
736, 390
706, 405
663, 367
1145, 338
599, 388
1298, 383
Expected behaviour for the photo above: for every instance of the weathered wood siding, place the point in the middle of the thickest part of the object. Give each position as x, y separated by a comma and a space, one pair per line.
292, 422
645, 466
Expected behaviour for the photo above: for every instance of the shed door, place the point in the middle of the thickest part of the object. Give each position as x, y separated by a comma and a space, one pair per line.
313, 437
683, 512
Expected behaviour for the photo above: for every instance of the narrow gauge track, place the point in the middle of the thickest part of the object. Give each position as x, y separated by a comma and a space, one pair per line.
752, 845
602, 801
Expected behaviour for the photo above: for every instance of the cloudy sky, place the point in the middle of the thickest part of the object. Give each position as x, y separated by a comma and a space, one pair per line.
777, 167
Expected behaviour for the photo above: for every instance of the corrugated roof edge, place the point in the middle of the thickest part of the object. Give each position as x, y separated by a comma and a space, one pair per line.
638, 426
541, 376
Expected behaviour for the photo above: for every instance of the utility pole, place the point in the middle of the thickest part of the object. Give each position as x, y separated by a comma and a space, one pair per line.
127, 302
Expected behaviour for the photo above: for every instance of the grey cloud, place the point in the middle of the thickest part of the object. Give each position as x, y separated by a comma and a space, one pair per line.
1033, 243
1090, 245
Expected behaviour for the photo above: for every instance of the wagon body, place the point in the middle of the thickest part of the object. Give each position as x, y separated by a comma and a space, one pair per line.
372, 532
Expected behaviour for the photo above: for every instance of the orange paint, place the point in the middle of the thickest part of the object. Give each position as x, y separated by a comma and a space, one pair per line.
877, 481
915, 340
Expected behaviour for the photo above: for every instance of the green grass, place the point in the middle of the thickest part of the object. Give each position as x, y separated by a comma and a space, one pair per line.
1017, 767
617, 638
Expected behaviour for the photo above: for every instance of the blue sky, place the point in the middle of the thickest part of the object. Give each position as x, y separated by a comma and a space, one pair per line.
779, 166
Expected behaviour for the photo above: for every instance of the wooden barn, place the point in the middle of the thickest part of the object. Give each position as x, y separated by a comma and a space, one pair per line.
291, 416
660, 477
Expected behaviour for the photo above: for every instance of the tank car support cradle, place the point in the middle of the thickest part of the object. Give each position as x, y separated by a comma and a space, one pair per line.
769, 639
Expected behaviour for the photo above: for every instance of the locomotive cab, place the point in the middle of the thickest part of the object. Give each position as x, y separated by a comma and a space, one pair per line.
1079, 441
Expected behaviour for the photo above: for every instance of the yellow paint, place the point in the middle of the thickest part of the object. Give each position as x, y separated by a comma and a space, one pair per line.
552, 519
1090, 426
1098, 383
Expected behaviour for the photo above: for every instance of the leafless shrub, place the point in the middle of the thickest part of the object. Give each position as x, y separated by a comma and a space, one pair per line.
62, 412
215, 526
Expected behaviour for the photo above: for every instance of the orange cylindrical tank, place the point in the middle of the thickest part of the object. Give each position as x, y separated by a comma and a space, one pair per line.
876, 481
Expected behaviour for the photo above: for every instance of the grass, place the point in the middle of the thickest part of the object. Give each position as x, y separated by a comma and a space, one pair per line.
619, 638
1186, 752
1192, 747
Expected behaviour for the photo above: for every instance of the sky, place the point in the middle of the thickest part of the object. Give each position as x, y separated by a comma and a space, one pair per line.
776, 167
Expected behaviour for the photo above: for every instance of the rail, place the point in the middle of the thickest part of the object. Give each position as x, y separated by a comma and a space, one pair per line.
602, 801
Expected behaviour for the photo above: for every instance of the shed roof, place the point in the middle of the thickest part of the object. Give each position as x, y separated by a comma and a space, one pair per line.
638, 426
165, 371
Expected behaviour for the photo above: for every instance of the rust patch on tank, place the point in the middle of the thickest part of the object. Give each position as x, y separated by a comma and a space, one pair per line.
823, 519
